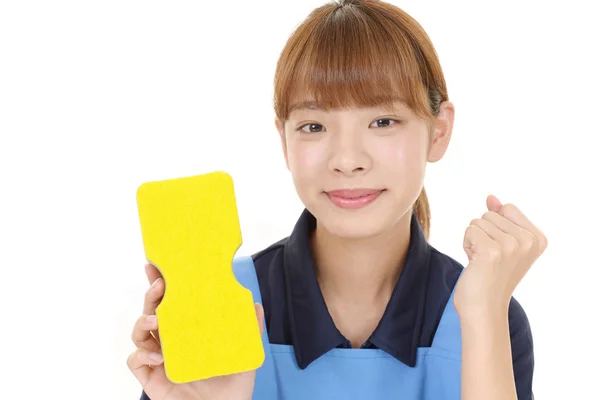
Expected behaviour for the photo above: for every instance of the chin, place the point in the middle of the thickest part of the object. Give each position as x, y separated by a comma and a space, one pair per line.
350, 228
371, 220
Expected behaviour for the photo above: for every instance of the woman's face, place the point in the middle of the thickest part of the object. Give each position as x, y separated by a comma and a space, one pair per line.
358, 171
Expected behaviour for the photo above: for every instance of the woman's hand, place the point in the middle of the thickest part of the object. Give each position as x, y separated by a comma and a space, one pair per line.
501, 246
146, 362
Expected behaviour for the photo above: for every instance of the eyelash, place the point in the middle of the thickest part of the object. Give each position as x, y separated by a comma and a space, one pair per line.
380, 119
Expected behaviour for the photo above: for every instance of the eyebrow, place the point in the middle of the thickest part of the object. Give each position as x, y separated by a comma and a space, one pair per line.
313, 105
305, 105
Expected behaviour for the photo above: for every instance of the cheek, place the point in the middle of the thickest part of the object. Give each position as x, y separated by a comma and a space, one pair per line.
305, 160
400, 155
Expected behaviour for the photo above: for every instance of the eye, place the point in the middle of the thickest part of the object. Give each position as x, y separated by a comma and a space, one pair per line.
385, 125
314, 127
310, 127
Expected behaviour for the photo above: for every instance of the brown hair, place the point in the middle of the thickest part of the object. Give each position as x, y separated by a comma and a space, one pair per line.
362, 53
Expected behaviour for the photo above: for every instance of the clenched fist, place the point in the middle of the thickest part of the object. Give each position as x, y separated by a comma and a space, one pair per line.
501, 246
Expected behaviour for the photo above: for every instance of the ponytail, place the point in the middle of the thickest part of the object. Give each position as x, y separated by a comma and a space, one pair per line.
421, 208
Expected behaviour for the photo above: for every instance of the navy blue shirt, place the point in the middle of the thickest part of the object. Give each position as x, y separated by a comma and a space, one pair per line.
296, 313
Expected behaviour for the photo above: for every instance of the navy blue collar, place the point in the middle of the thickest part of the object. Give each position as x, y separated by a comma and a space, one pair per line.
312, 328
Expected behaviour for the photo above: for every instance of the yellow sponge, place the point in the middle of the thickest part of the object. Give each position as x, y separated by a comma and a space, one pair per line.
207, 322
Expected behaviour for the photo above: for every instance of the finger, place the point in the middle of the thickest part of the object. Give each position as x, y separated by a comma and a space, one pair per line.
491, 226
513, 214
141, 336
153, 297
139, 363
508, 226
478, 242
152, 273
525, 238
502, 223
507, 241
155, 333
260, 314
493, 203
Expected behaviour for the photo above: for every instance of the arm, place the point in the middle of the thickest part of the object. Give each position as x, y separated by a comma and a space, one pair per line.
497, 359
497, 355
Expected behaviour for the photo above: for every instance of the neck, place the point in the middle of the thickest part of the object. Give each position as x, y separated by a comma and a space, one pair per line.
360, 271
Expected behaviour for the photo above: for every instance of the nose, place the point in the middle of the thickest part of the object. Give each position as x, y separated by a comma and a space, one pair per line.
348, 155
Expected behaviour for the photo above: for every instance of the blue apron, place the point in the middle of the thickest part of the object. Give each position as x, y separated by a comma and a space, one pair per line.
358, 373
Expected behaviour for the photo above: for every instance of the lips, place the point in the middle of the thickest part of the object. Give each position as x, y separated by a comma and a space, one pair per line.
353, 198
353, 193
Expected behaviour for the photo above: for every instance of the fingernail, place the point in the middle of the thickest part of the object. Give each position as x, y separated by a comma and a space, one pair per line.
154, 283
151, 319
156, 357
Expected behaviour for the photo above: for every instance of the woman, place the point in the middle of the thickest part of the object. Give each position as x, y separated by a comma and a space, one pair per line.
356, 303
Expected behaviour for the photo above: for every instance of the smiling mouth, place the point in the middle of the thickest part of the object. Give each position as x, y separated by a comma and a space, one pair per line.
353, 198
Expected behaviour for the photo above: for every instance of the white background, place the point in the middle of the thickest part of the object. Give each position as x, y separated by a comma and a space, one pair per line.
99, 97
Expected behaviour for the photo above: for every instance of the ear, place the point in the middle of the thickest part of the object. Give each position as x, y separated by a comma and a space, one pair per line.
281, 129
442, 132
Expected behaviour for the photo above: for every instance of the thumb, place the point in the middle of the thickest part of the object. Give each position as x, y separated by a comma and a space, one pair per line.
260, 315
493, 203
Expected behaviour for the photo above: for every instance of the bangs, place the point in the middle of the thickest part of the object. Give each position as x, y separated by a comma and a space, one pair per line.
350, 58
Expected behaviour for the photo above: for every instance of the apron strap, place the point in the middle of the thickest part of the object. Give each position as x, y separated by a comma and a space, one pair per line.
448, 334
265, 386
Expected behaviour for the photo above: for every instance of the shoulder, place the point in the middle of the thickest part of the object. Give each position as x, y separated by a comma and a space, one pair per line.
444, 270
443, 273
521, 340
269, 259
266, 254
518, 320
268, 264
